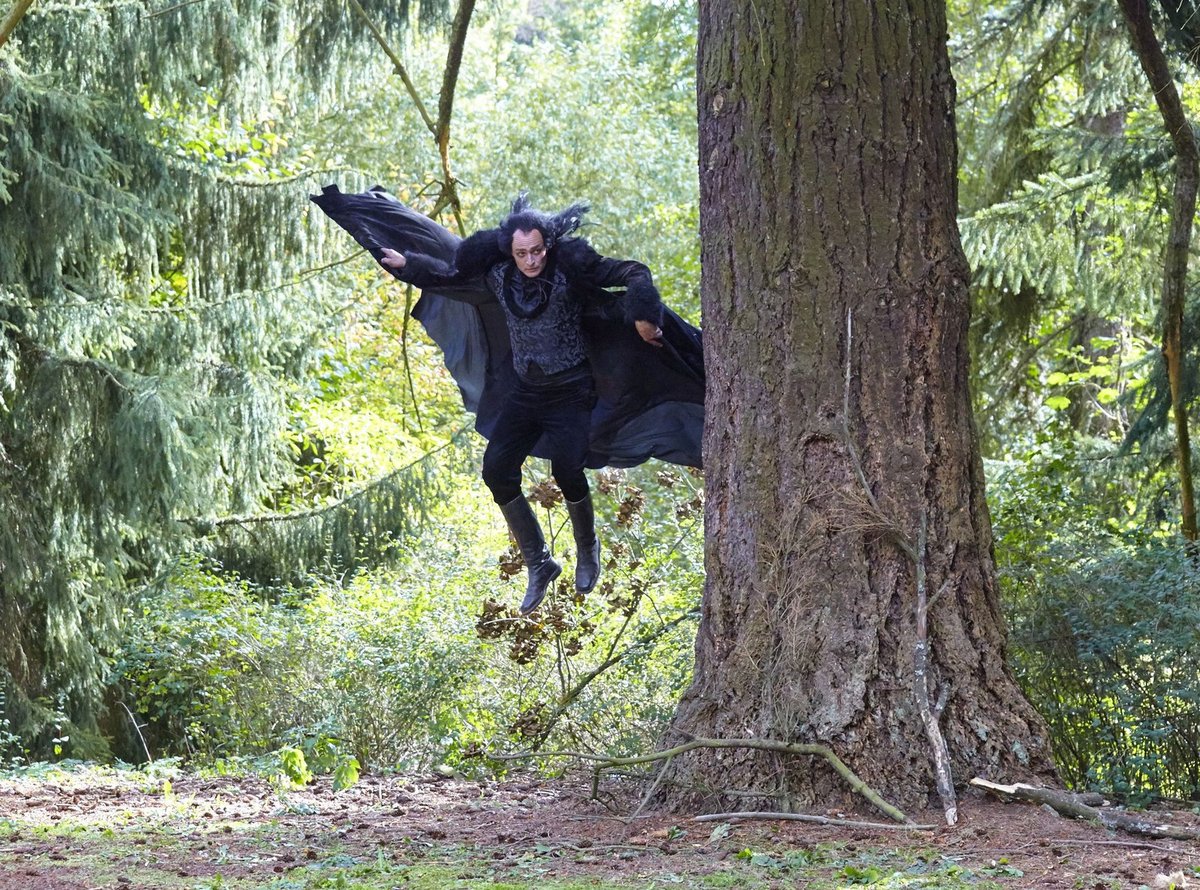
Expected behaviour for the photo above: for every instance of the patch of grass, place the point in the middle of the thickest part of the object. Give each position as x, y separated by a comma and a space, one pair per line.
151, 856
162, 850
386, 875
1099, 882
833, 867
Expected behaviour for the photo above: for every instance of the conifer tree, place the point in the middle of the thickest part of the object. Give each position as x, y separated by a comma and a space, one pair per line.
850, 597
1065, 218
152, 225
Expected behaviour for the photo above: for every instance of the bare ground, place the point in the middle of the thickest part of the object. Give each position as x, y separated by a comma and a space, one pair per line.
100, 829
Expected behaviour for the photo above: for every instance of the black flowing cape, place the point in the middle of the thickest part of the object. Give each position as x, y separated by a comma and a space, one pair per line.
650, 400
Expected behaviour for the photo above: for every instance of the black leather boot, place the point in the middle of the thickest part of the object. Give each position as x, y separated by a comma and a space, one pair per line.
539, 563
587, 545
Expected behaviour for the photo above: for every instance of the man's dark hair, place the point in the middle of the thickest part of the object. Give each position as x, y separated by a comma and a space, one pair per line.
525, 218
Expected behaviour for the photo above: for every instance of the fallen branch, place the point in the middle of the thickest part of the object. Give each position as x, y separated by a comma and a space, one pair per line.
1136, 845
1067, 804
603, 762
801, 817
662, 774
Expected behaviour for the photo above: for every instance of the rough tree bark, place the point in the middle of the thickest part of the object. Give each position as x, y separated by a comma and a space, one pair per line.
827, 168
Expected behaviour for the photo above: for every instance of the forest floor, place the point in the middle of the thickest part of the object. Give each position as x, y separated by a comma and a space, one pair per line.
89, 828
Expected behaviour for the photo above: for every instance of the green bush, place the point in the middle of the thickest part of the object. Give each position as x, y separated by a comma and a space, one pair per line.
402, 659
370, 671
211, 667
427, 661
1105, 633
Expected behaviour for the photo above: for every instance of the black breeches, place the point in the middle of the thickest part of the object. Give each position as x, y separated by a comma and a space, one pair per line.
563, 415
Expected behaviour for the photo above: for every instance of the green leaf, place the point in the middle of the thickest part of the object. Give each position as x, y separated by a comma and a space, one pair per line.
294, 766
1002, 870
346, 774
867, 874
719, 833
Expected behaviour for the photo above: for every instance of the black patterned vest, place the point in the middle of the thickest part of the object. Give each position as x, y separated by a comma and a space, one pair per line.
543, 320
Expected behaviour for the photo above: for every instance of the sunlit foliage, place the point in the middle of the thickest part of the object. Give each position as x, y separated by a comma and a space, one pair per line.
238, 501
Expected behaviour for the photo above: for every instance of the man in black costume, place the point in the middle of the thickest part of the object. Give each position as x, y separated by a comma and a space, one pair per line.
541, 279
558, 351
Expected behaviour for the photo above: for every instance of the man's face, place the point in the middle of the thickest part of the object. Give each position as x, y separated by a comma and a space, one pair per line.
529, 252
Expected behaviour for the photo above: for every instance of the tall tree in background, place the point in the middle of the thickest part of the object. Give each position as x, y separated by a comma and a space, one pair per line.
1067, 207
1067, 174
851, 596
151, 318
1179, 242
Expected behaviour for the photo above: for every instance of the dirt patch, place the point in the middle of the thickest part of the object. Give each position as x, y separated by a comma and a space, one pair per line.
100, 829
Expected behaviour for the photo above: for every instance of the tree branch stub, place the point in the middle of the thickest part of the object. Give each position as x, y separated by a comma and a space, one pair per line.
13, 19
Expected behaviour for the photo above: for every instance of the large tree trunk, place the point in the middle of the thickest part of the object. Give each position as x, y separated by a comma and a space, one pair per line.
827, 176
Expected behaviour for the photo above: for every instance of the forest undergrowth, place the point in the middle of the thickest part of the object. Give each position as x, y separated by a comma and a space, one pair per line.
72, 827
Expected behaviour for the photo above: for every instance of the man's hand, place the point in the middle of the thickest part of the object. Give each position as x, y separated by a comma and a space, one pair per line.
650, 332
394, 259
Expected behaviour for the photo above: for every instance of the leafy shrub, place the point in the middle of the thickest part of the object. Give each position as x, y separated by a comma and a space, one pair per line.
401, 657
366, 672
1105, 633
213, 668
12, 749
397, 668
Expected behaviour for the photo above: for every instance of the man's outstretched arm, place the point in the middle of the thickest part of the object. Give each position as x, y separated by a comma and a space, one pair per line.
642, 304
460, 280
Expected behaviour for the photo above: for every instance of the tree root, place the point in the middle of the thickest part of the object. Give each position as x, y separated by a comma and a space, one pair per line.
1068, 804
603, 762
